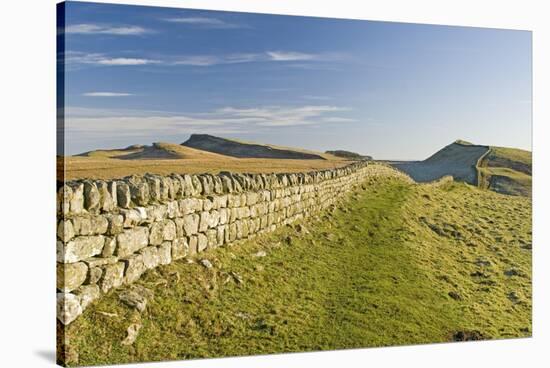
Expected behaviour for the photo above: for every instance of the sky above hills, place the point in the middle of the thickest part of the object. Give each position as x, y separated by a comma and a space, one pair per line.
137, 75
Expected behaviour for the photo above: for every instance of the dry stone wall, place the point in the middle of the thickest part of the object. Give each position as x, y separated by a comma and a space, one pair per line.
110, 232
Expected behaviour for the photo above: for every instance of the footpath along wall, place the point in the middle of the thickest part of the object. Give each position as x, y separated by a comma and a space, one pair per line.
110, 232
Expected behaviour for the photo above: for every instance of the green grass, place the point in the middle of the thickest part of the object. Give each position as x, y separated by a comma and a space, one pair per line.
507, 170
375, 271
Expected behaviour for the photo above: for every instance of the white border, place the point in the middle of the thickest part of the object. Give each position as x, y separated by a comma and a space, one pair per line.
27, 326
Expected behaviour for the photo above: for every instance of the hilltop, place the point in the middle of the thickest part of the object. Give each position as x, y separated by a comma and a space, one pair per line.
241, 149
501, 169
158, 150
348, 154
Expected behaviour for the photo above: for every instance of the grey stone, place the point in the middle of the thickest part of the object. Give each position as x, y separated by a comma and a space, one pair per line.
212, 236
133, 299
109, 247
132, 240
156, 234
100, 261
204, 221
68, 307
134, 268
150, 257
180, 248
65, 196
172, 209
191, 224
202, 242
139, 191
113, 276
82, 225
206, 263
65, 230
99, 224
87, 294
190, 205
94, 275
91, 197
106, 202
77, 199
132, 333
80, 248
124, 197
165, 253
193, 245
169, 230
71, 275
116, 224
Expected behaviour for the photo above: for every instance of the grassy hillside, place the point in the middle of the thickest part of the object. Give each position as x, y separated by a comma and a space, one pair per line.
243, 149
396, 263
507, 170
459, 159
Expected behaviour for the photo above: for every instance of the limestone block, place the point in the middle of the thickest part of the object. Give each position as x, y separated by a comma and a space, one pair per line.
165, 253
220, 234
65, 230
154, 187
80, 248
157, 212
71, 275
156, 235
172, 209
99, 224
204, 221
150, 256
190, 205
191, 224
94, 275
131, 240
109, 246
134, 268
180, 248
68, 307
91, 197
251, 198
112, 276
139, 191
232, 231
65, 194
82, 225
123, 194
224, 214
193, 245
77, 199
87, 294
106, 202
116, 224
202, 242
212, 237
168, 230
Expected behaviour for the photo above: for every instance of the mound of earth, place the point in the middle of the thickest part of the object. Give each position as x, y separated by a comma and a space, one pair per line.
349, 155
459, 159
156, 151
241, 149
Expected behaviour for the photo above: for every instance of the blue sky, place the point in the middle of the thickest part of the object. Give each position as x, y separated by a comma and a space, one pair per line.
391, 90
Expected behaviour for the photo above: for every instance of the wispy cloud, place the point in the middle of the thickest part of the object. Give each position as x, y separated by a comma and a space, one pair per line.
317, 98
106, 94
76, 57
204, 22
109, 123
89, 29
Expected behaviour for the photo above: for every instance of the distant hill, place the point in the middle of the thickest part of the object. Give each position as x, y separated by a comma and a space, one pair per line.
240, 149
458, 159
156, 151
503, 170
349, 155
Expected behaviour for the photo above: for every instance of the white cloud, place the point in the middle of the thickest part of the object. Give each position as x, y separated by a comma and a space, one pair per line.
110, 123
204, 22
290, 56
77, 57
106, 29
106, 94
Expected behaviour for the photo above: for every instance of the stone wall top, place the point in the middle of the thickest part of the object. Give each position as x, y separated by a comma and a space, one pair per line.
105, 196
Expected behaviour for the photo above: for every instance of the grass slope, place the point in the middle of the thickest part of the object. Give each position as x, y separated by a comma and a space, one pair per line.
507, 170
397, 263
